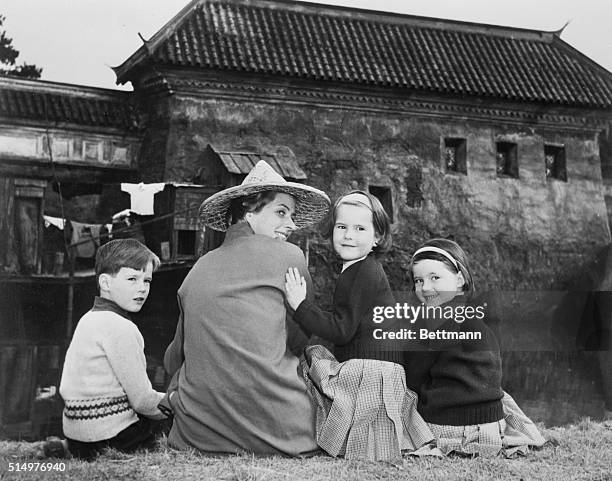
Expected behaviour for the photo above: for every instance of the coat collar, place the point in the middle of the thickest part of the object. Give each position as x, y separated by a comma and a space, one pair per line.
235, 231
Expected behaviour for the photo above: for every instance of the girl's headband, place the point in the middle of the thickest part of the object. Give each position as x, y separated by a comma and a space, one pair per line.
438, 251
356, 197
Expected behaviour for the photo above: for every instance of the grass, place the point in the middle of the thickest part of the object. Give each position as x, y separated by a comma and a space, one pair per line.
577, 452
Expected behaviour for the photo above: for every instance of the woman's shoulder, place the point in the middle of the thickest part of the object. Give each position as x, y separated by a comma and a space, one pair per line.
254, 243
272, 251
277, 246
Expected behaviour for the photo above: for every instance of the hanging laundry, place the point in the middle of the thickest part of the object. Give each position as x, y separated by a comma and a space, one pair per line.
85, 238
54, 221
142, 196
126, 225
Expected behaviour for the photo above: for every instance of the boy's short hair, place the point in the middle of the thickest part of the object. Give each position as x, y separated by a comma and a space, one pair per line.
118, 253
380, 221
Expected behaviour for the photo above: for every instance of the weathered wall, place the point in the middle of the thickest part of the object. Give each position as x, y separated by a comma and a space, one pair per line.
525, 233
153, 151
523, 236
605, 151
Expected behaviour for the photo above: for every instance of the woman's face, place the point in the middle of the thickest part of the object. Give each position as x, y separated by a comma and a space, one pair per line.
274, 219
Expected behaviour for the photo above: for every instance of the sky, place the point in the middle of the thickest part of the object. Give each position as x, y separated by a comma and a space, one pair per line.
77, 41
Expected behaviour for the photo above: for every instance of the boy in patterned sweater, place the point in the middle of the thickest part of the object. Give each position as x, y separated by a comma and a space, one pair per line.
109, 400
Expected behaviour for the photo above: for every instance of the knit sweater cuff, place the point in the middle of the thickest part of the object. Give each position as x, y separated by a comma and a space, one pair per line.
300, 315
481, 413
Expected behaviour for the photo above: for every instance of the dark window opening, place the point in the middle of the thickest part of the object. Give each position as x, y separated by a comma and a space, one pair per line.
455, 155
186, 242
554, 156
383, 194
507, 162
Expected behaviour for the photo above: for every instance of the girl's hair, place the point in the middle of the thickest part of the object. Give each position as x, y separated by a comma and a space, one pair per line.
455, 251
240, 206
118, 253
380, 220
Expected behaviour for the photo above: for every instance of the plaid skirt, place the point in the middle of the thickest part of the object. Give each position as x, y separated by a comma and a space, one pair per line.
363, 408
511, 435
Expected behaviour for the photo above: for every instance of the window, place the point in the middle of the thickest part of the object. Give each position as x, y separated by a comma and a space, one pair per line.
45, 145
106, 152
414, 179
507, 163
186, 243
91, 151
77, 148
61, 148
383, 194
554, 156
119, 154
454, 155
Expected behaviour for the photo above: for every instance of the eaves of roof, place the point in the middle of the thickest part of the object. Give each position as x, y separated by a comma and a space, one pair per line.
339, 44
53, 102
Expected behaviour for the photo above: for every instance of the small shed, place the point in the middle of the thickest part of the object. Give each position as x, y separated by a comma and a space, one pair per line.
175, 232
224, 168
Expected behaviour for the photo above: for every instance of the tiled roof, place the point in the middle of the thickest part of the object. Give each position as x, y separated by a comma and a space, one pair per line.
327, 43
243, 162
54, 102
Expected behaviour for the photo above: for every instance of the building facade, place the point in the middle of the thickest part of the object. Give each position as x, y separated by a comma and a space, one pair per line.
488, 134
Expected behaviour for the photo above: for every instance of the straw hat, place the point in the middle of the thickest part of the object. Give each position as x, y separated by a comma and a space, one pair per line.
310, 204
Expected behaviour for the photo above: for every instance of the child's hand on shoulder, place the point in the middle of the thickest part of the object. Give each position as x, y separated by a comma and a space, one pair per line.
295, 287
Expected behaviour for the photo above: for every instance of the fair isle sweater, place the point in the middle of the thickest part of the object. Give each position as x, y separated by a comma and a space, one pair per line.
104, 381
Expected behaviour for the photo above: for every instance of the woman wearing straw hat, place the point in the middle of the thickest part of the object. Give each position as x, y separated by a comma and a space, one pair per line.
235, 383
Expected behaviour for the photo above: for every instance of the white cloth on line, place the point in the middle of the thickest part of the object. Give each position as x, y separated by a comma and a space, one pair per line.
141, 196
54, 221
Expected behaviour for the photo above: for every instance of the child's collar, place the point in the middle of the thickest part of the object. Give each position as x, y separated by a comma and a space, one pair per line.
348, 264
102, 304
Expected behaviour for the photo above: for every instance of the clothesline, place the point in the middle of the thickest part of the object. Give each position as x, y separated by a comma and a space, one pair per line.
128, 228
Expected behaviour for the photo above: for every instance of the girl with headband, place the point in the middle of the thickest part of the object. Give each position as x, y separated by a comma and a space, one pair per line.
457, 373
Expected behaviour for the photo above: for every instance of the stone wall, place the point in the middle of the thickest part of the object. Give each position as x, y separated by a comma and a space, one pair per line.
524, 233
605, 151
153, 152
